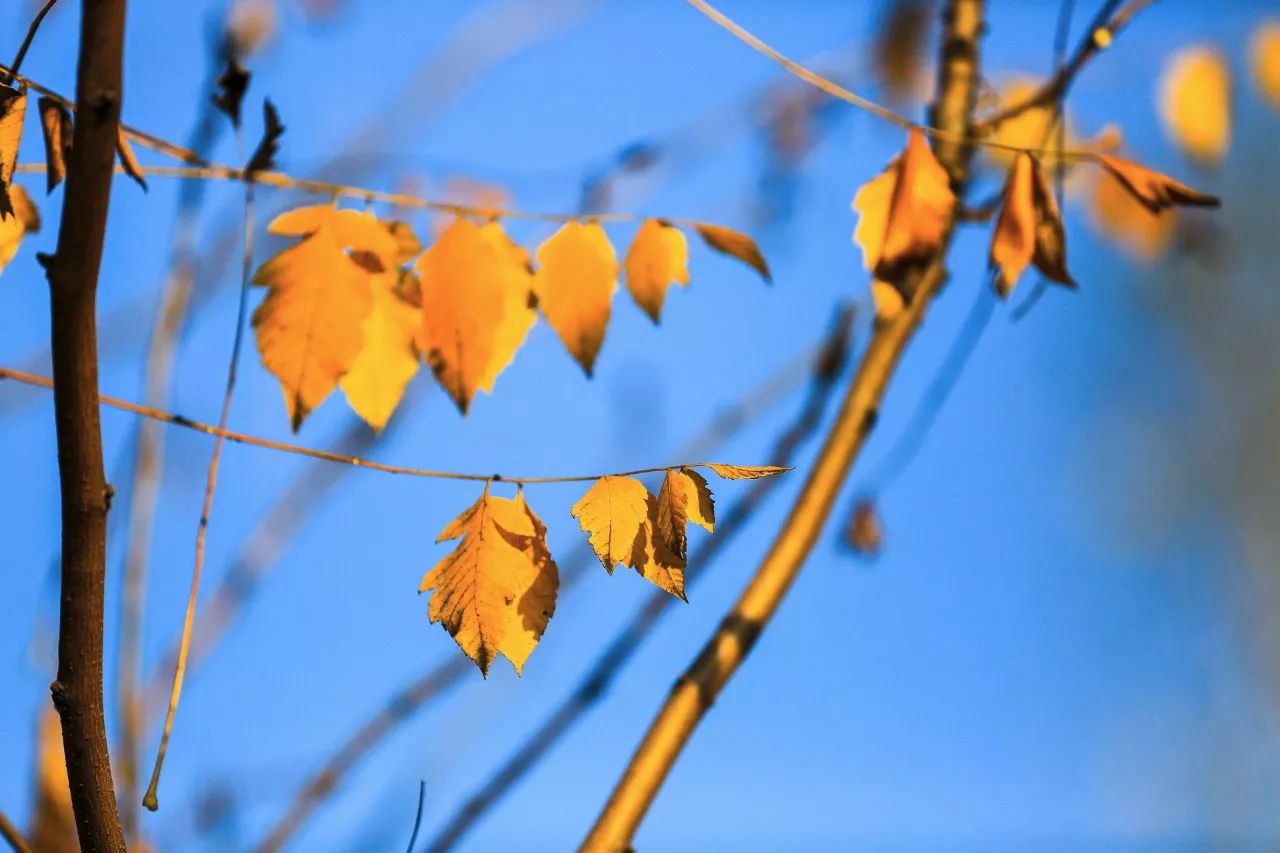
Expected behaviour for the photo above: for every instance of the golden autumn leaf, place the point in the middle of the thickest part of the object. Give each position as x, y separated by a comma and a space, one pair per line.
745, 472
388, 359
577, 275
495, 592
659, 255
128, 161
408, 246
56, 123
310, 326
1264, 55
1032, 128
684, 497
1152, 189
518, 313
1029, 229
356, 230
611, 513
1121, 218
735, 244
13, 110
871, 204
25, 220
1195, 103
466, 279
653, 556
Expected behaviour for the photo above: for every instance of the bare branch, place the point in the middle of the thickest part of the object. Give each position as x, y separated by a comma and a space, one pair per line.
12, 835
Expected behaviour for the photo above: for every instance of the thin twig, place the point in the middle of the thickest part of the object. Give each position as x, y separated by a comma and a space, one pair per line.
12, 834
243, 438
211, 481
26, 42
825, 370
417, 821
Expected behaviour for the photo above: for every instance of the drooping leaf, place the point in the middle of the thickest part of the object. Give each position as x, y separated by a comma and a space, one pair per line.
653, 557
519, 313
264, 156
388, 359
55, 120
310, 326
128, 160
466, 280
231, 84
13, 110
577, 275
1195, 103
611, 513
1029, 229
920, 211
1032, 128
745, 472
25, 220
684, 497
659, 255
1264, 53
495, 592
735, 244
1154, 190
1127, 222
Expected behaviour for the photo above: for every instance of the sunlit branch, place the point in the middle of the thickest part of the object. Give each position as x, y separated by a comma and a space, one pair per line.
12, 835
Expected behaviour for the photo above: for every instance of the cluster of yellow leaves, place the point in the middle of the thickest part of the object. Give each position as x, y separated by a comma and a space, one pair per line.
496, 591
357, 303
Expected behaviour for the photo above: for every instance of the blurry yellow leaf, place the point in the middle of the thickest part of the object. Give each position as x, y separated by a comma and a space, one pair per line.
1126, 221
659, 255
466, 281
735, 244
55, 120
745, 472
871, 203
920, 211
887, 299
1032, 128
1029, 229
13, 109
353, 229
25, 220
1264, 50
518, 313
128, 161
495, 592
1155, 191
310, 326
408, 246
577, 275
899, 48
611, 513
1195, 103
377, 378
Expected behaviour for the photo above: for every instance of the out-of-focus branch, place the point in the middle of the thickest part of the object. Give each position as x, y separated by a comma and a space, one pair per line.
826, 370
441, 677
12, 835
700, 685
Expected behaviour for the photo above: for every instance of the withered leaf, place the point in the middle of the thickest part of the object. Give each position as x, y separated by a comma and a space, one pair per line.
55, 120
264, 156
865, 534
128, 161
1264, 56
1029, 229
232, 84
1155, 191
921, 207
745, 472
735, 244
13, 110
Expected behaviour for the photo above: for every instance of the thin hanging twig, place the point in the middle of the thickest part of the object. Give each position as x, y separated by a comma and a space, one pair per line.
417, 821
13, 835
26, 42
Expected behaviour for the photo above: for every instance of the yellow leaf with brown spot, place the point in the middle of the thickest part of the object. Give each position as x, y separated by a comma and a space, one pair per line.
1195, 103
735, 244
466, 280
659, 255
611, 513
389, 358
25, 220
310, 326
13, 110
1155, 191
518, 313
577, 275
495, 592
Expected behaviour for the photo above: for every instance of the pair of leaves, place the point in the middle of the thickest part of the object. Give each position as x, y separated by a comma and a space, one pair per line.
496, 591
1029, 230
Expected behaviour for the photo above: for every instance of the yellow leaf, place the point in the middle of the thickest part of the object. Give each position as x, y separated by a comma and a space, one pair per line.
659, 255
518, 312
611, 513
55, 120
1032, 128
495, 592
1195, 103
1264, 50
577, 275
357, 230
920, 211
1152, 189
1029, 229
1126, 221
467, 281
128, 161
25, 220
745, 472
13, 109
653, 557
871, 203
736, 245
309, 327
684, 497
408, 246
377, 378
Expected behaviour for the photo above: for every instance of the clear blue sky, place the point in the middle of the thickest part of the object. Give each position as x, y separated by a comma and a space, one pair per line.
1021, 668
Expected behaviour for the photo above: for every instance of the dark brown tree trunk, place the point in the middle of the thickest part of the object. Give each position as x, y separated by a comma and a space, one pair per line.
73, 283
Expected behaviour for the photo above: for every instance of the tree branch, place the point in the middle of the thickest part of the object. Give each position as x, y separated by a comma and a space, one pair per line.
12, 835
700, 685
73, 284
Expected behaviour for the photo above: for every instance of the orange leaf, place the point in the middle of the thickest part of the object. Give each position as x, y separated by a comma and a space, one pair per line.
388, 359
659, 255
1195, 103
577, 275
1029, 229
920, 212
736, 245
1153, 190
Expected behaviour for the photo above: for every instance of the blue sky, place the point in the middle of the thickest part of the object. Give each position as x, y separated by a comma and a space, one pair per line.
1019, 668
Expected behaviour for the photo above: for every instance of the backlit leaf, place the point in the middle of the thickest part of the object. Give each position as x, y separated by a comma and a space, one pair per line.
1195, 103
518, 312
1128, 222
388, 359
1029, 229
128, 161
25, 220
13, 109
684, 497
659, 255
920, 211
871, 204
1032, 128
1155, 191
353, 229
653, 556
55, 120
1264, 53
745, 472
577, 275
736, 245
611, 513
495, 592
